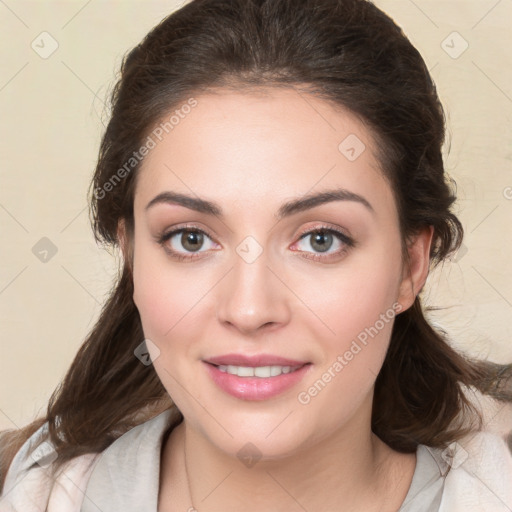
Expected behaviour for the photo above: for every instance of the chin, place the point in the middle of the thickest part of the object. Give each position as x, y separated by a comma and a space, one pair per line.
265, 436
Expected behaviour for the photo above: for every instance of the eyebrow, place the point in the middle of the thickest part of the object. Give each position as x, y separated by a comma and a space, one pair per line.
289, 208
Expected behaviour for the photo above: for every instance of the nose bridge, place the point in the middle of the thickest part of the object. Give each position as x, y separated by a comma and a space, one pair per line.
251, 296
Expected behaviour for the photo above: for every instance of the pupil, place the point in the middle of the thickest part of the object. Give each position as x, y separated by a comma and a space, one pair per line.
191, 240
320, 240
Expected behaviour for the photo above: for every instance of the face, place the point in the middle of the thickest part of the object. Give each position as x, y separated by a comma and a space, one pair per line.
261, 277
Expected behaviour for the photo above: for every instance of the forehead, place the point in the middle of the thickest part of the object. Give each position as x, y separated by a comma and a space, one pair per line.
259, 148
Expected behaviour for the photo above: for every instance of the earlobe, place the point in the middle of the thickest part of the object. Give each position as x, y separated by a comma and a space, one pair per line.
416, 268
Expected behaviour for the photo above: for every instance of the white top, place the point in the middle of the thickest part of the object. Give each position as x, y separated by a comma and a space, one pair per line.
474, 475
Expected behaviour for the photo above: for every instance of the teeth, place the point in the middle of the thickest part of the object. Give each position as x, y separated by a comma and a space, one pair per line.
259, 371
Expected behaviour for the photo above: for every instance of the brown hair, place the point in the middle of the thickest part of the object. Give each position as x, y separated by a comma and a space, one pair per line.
346, 52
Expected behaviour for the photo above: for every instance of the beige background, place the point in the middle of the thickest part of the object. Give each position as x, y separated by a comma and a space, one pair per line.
51, 122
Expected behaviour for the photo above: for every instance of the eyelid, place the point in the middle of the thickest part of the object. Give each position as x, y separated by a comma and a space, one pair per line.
168, 234
347, 243
326, 227
163, 237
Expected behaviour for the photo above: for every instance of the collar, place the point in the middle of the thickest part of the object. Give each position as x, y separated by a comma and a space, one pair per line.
126, 475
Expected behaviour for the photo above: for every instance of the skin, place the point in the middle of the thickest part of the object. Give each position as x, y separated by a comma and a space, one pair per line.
250, 153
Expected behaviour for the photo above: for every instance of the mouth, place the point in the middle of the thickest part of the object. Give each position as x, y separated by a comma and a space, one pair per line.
254, 361
257, 377
261, 372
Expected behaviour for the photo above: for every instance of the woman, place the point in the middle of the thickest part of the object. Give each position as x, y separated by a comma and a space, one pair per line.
272, 173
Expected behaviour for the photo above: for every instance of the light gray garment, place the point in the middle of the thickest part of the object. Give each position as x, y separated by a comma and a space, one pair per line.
126, 475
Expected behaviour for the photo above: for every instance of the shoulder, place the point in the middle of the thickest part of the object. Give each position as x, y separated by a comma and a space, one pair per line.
480, 476
127, 474
29, 485
471, 475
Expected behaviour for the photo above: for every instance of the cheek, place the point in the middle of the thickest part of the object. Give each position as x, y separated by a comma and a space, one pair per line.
165, 300
154, 300
357, 307
352, 358
164, 295
353, 298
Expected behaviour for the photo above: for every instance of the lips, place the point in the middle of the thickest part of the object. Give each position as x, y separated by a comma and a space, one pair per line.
253, 361
272, 374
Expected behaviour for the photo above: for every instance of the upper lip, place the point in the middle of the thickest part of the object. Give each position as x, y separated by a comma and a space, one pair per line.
254, 360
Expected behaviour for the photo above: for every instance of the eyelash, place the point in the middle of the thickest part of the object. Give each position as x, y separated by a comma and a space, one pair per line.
342, 237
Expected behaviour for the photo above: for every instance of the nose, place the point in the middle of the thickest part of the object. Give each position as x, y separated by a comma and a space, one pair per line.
252, 299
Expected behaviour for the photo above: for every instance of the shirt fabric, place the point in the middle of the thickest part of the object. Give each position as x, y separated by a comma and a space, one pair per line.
474, 475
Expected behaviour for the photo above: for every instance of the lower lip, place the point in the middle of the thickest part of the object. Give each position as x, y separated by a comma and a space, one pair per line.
255, 388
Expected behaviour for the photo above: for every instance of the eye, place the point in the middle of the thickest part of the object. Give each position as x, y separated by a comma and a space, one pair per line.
322, 240
181, 243
185, 243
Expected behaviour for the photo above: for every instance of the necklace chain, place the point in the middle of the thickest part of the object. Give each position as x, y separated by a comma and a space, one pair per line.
193, 509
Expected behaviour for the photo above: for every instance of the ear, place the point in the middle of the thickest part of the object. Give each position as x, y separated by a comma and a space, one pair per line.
416, 267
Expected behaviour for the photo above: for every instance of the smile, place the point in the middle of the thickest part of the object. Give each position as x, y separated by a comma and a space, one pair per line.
259, 371
255, 382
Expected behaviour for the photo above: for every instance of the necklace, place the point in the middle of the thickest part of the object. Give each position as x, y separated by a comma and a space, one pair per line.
192, 508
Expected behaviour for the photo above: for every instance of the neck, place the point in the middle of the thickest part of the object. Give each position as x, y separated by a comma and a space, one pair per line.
351, 469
